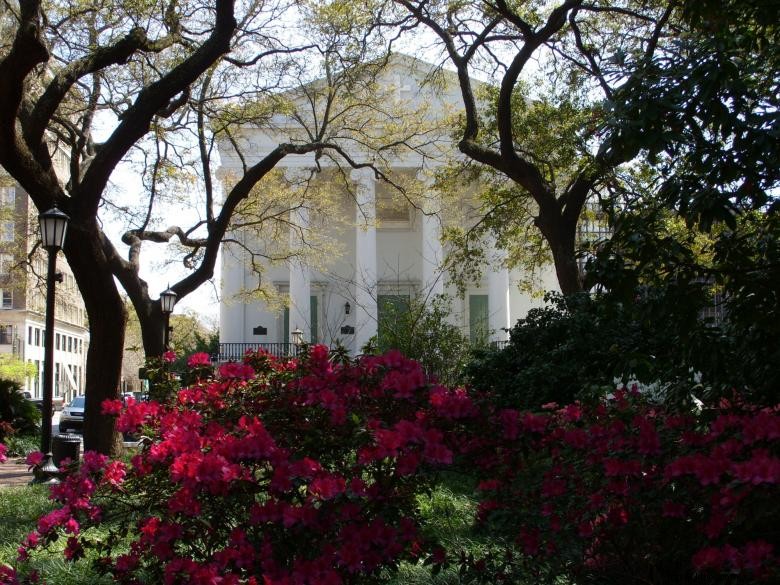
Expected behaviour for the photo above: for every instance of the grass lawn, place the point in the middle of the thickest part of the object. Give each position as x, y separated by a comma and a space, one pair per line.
20, 508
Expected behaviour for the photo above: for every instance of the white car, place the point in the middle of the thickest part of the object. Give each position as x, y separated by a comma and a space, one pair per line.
72, 417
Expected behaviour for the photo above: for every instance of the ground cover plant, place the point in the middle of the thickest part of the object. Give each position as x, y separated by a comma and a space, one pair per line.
20, 509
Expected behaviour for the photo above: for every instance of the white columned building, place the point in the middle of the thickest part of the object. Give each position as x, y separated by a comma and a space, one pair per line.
366, 291
430, 245
300, 277
379, 246
499, 317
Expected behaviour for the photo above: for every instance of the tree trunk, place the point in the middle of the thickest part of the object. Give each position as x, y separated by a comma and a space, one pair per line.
152, 323
107, 321
561, 239
566, 269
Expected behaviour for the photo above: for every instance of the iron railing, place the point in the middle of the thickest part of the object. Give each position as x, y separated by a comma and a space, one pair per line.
234, 352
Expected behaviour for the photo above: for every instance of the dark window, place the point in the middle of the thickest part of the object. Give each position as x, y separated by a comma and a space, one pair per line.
6, 334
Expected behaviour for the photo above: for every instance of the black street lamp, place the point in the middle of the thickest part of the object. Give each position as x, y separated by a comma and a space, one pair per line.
53, 225
167, 302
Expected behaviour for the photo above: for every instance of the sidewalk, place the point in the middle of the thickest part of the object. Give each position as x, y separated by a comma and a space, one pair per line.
14, 473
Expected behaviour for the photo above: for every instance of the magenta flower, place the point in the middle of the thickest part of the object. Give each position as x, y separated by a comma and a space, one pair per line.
200, 359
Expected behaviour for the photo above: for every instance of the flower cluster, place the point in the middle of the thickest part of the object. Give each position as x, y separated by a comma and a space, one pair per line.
299, 474
3, 452
627, 491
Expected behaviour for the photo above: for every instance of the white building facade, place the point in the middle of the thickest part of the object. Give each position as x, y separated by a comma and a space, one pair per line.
389, 249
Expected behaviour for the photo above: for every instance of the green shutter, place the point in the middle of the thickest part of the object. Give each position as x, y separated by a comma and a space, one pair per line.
315, 338
478, 319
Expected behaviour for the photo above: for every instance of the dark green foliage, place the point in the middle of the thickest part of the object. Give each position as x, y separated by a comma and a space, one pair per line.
704, 110
17, 414
743, 264
580, 345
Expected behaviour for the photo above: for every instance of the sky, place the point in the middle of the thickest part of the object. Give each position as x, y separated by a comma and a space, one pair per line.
156, 268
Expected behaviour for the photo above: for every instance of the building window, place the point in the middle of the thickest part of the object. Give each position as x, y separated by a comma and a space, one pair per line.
56, 379
37, 336
70, 344
7, 301
57, 341
7, 231
478, 319
7, 196
29, 335
6, 334
392, 207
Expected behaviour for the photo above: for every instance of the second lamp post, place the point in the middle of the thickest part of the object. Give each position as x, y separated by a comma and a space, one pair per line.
167, 302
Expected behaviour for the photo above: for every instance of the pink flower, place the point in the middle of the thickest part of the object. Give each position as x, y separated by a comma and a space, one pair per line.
238, 371
34, 459
3, 451
708, 558
112, 407
510, 421
327, 487
169, 356
673, 510
200, 359
756, 553
114, 473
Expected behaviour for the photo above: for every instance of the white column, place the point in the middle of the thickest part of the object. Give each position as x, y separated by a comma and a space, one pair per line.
365, 258
498, 295
432, 256
300, 278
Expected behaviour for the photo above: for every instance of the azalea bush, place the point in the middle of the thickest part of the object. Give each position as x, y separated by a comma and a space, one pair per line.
628, 492
298, 471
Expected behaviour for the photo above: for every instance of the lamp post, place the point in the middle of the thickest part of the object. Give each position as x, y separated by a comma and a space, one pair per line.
167, 302
53, 225
297, 337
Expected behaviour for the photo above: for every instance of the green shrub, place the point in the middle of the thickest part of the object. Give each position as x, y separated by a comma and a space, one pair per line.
22, 445
584, 344
420, 330
17, 414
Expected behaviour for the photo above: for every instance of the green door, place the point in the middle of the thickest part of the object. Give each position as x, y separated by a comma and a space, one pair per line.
478, 319
389, 309
313, 305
